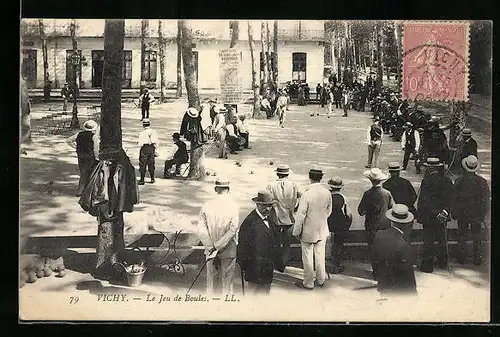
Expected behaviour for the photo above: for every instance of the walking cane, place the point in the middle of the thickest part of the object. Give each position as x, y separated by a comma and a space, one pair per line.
197, 276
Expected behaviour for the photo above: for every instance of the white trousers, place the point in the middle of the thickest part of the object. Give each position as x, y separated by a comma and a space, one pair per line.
223, 277
313, 259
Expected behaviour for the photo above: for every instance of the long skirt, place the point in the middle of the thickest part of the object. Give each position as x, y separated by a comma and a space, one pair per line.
85, 164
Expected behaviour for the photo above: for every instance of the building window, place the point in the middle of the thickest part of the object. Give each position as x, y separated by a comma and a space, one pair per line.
70, 74
127, 69
97, 68
28, 70
150, 66
299, 67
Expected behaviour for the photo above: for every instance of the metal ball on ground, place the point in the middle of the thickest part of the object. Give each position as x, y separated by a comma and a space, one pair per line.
271, 162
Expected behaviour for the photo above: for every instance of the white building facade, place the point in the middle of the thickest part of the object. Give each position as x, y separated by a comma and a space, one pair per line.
300, 52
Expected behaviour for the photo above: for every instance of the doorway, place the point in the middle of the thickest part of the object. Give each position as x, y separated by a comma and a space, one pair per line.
97, 67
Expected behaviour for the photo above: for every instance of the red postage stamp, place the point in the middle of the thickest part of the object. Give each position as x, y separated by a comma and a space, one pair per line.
435, 60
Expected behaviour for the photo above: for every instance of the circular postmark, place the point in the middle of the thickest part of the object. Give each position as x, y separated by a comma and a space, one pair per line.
434, 71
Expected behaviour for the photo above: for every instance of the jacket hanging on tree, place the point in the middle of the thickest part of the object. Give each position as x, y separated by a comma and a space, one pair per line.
111, 188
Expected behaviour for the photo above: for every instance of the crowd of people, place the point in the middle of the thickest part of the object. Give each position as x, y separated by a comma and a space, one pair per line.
260, 244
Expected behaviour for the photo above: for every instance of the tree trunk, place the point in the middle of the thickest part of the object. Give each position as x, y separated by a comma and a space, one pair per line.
399, 56
255, 87
179, 61
110, 239
339, 57
380, 71
76, 61
275, 51
327, 28
235, 33
144, 33
25, 114
458, 119
265, 80
161, 52
196, 168
56, 82
268, 53
46, 80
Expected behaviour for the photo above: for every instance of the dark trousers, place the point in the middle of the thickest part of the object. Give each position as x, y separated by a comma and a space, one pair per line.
284, 241
245, 137
406, 157
85, 164
337, 104
472, 227
370, 237
434, 231
147, 161
338, 240
145, 111
170, 162
233, 143
345, 108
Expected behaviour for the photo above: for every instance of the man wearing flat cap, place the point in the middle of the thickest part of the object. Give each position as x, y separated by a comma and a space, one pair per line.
148, 143
218, 230
373, 205
401, 190
392, 253
311, 228
339, 222
410, 143
470, 205
433, 207
257, 251
286, 194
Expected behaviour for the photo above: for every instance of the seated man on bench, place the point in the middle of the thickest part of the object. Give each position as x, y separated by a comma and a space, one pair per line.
177, 156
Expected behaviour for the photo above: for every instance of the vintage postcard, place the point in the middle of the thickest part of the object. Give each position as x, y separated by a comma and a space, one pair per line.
255, 170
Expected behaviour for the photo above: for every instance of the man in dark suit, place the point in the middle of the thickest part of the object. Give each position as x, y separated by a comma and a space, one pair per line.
402, 192
373, 205
469, 145
470, 205
257, 251
433, 207
393, 254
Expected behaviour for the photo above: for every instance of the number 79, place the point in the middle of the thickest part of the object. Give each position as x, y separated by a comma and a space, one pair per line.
73, 300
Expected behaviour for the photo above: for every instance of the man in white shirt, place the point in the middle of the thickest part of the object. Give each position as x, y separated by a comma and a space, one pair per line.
374, 137
410, 142
218, 230
311, 228
219, 129
148, 142
286, 194
243, 129
281, 107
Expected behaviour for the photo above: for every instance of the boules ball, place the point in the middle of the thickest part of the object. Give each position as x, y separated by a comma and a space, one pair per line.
62, 273
214, 174
47, 272
312, 115
32, 277
271, 162
208, 173
238, 163
40, 274
251, 172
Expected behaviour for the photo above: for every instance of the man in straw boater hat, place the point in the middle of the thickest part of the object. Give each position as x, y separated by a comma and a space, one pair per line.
339, 223
311, 228
258, 252
392, 253
401, 190
218, 230
286, 194
470, 205
373, 205
191, 128
86, 144
219, 130
468, 145
433, 205
148, 143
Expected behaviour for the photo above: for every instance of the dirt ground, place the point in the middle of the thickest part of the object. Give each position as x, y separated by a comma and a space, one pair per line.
335, 144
